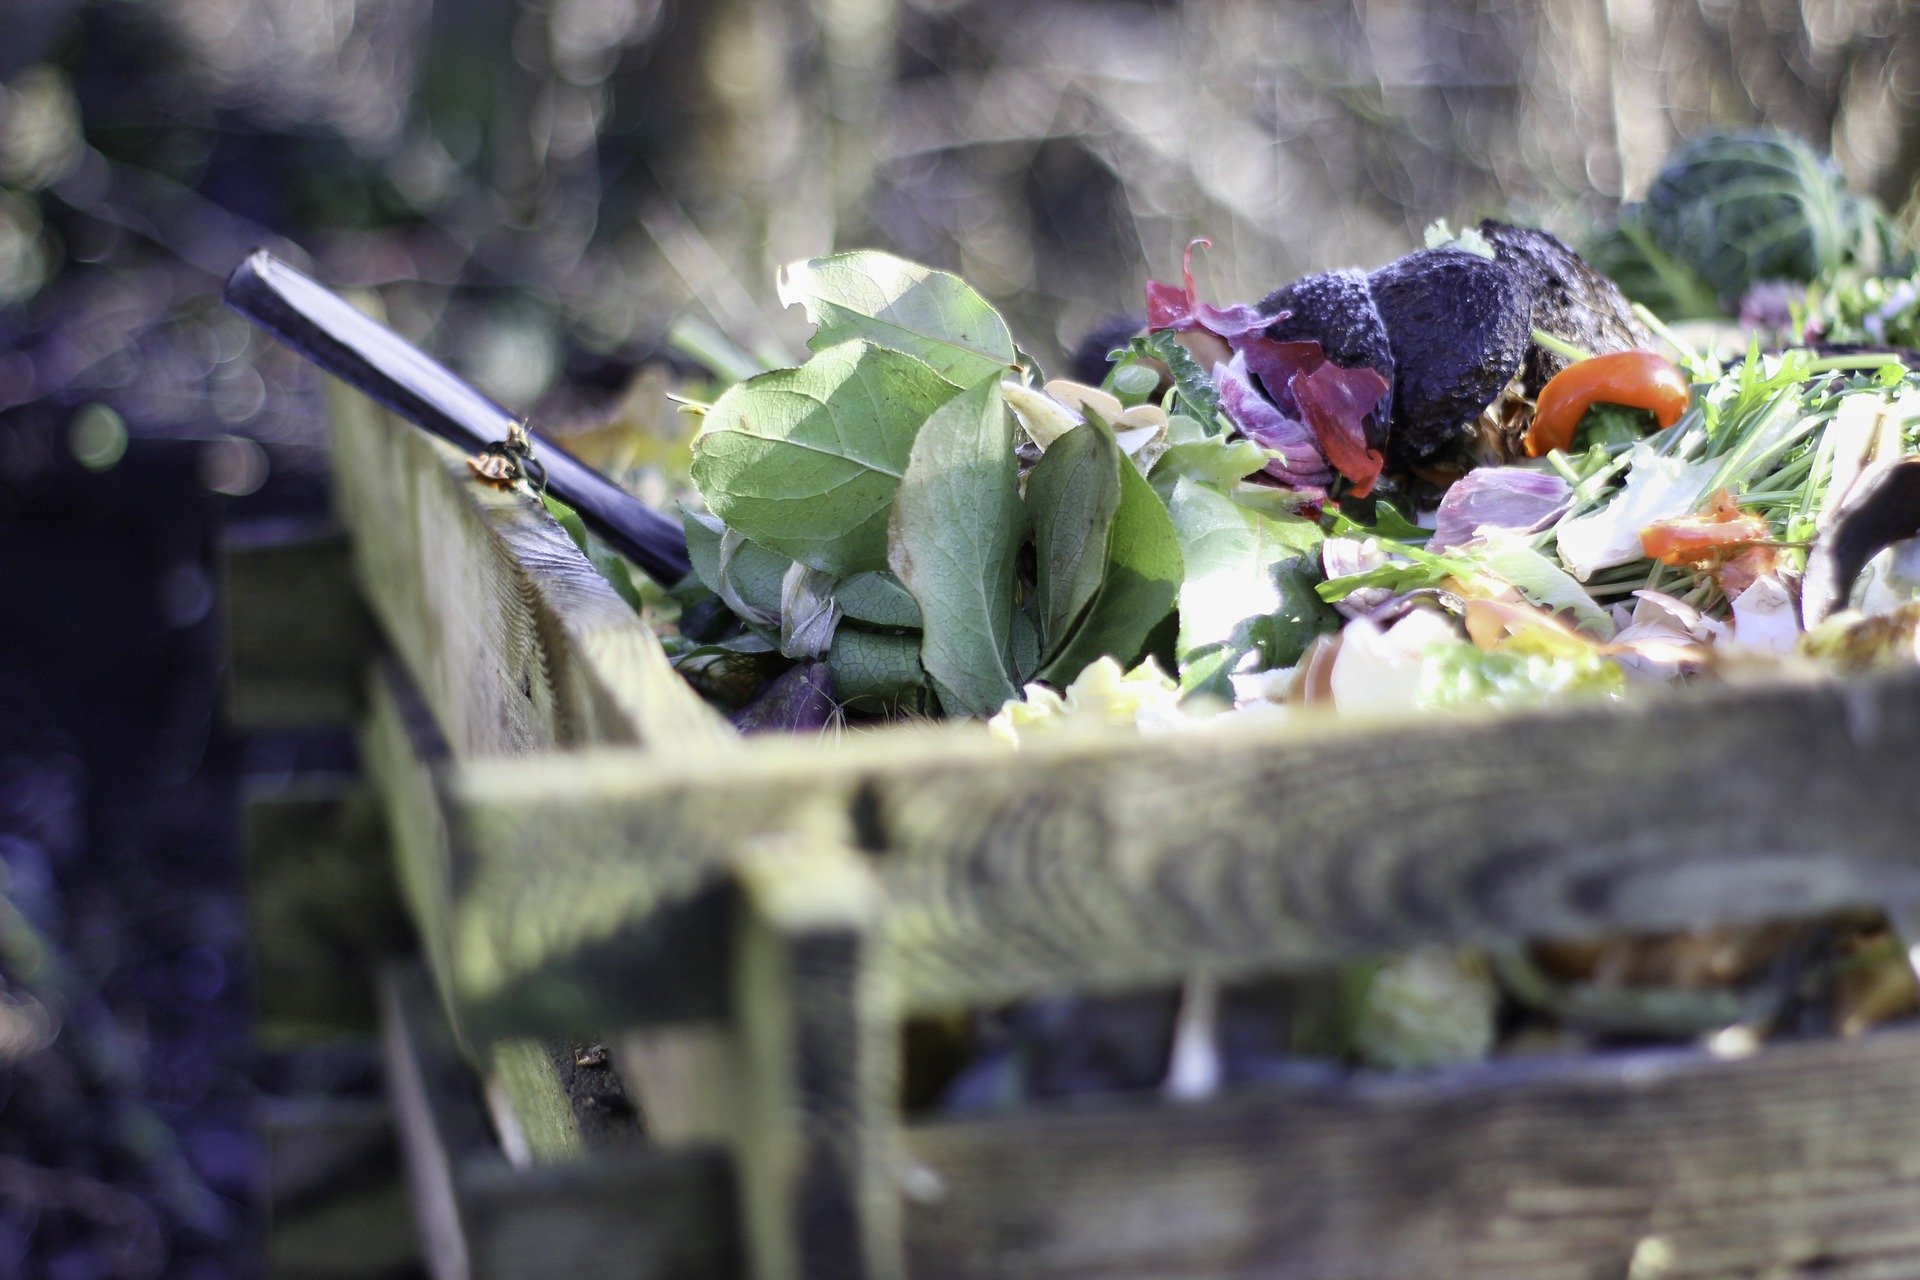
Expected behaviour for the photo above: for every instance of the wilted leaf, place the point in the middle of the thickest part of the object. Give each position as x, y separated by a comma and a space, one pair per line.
904, 307
957, 525
806, 461
809, 615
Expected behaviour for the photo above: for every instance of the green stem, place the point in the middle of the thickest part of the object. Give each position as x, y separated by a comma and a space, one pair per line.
1559, 346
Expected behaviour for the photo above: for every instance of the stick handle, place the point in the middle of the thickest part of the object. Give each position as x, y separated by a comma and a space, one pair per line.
359, 350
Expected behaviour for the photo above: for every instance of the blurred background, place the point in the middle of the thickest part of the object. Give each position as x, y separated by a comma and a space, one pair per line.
557, 196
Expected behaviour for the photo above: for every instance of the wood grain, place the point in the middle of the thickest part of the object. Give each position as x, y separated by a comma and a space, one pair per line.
516, 642
1111, 862
1801, 1161
632, 1215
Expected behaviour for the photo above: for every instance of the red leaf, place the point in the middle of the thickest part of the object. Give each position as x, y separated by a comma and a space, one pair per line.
1335, 403
1180, 309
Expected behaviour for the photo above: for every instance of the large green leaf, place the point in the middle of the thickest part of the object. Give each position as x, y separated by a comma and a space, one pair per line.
957, 526
1073, 493
903, 306
1232, 557
806, 461
1141, 571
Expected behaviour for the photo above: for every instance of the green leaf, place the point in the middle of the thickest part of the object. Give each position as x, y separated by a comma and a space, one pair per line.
871, 670
957, 526
879, 599
806, 461
1073, 493
1231, 556
1143, 569
1386, 523
904, 307
745, 575
1198, 395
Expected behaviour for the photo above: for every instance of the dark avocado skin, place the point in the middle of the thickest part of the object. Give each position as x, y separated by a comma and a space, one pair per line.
1570, 299
1459, 326
1335, 309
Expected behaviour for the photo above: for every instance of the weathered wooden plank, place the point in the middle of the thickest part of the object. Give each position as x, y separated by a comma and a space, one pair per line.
298, 637
1803, 1160
818, 1070
682, 964
630, 1215
1115, 861
324, 912
536, 1105
515, 641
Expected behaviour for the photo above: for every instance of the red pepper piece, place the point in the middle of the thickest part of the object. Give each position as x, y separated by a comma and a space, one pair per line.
1637, 379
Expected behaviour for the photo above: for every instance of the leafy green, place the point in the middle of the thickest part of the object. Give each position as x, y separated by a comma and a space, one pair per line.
1420, 570
1627, 254
745, 575
1386, 524
1073, 493
1198, 396
878, 598
904, 307
875, 671
1140, 570
1215, 460
957, 526
1612, 424
806, 461
1730, 210
1232, 557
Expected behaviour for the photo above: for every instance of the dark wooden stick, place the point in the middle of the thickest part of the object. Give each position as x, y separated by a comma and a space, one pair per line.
331, 332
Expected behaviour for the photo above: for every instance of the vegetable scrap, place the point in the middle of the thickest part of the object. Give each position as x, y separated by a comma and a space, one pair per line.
1477, 475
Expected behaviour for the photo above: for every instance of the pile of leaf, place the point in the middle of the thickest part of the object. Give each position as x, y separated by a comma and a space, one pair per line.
912, 522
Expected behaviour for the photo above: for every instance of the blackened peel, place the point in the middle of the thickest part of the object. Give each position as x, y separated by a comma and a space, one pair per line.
1570, 300
1882, 508
1459, 326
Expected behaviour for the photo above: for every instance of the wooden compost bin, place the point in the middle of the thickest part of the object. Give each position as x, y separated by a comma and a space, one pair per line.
587, 850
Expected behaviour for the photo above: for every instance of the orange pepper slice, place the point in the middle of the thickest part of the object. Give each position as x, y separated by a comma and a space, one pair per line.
1637, 379
1723, 527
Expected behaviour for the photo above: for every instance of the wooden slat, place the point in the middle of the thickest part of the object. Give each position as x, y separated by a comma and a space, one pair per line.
818, 1075
324, 912
1117, 861
632, 1215
514, 639
1801, 1161
529, 1087
297, 635
681, 964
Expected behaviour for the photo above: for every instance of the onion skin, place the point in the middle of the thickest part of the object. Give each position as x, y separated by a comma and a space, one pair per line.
1637, 379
